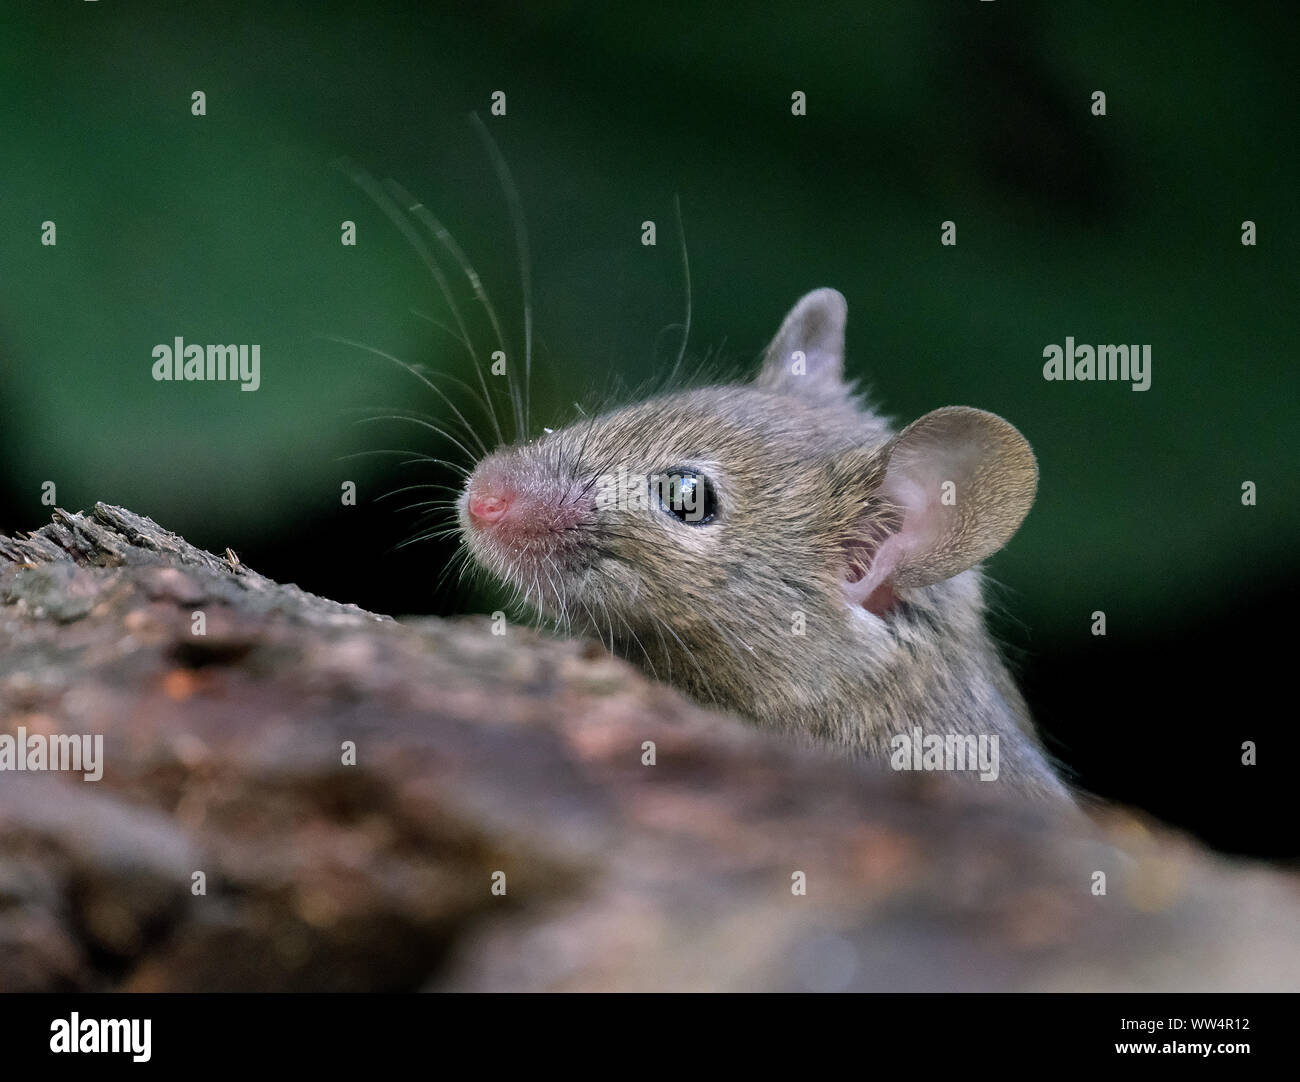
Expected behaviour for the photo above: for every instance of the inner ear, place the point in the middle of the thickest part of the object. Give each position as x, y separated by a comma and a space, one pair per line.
807, 355
957, 485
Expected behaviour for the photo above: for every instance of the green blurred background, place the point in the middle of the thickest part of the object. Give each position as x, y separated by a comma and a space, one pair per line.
1123, 228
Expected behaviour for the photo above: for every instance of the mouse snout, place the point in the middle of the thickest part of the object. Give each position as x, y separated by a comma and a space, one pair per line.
486, 507
514, 505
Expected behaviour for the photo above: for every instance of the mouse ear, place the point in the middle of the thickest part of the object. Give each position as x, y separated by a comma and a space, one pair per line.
962, 481
807, 354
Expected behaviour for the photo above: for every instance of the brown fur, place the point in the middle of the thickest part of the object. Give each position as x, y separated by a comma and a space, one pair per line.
803, 473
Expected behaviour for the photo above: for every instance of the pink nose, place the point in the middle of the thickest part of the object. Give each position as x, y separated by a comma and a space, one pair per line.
487, 508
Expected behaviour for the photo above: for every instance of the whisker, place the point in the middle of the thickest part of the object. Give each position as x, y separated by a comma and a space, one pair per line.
686, 277
413, 457
461, 555
411, 488
386, 204
444, 504
416, 421
648, 658
416, 373
690, 656
422, 214
515, 206
449, 331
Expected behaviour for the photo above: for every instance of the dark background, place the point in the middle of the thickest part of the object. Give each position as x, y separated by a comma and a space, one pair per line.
1123, 228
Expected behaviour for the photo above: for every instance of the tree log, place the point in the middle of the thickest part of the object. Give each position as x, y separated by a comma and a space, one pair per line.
500, 828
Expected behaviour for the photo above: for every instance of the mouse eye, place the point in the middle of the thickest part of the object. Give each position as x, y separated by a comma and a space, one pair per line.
687, 496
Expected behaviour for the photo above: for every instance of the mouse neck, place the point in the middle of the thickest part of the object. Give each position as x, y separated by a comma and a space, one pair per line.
929, 669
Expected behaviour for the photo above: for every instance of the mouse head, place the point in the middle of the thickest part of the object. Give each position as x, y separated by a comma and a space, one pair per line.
715, 523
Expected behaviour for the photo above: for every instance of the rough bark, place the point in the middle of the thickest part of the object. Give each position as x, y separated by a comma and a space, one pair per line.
478, 754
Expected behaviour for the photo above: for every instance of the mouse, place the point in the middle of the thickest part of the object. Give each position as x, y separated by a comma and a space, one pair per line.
778, 549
